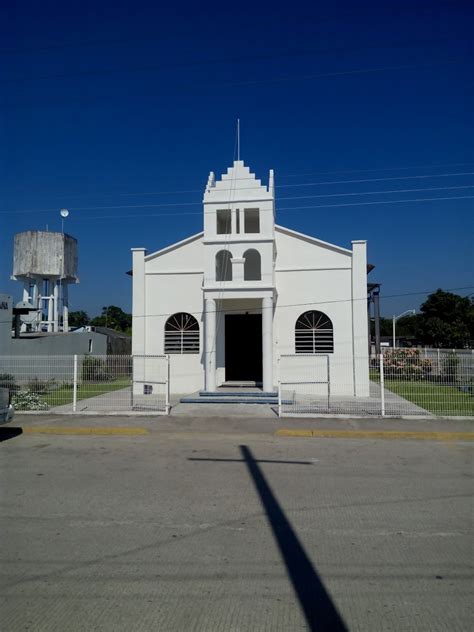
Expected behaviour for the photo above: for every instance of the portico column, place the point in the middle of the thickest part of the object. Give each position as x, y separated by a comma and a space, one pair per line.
267, 343
210, 344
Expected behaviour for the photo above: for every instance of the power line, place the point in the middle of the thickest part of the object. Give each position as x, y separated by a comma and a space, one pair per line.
415, 177
228, 83
461, 197
280, 175
309, 304
339, 73
432, 166
308, 184
298, 197
313, 303
281, 209
324, 195
232, 60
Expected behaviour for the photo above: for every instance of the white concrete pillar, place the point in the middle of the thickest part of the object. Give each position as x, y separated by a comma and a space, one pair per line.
238, 269
34, 294
359, 319
50, 304
65, 307
41, 304
26, 292
267, 343
138, 302
210, 344
56, 307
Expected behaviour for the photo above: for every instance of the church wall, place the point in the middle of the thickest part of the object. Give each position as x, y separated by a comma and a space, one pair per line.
189, 256
295, 252
167, 294
326, 291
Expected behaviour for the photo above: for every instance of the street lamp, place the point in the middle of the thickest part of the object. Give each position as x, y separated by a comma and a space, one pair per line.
394, 320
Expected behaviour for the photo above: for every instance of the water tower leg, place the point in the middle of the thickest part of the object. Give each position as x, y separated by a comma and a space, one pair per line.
65, 307
34, 294
56, 307
50, 306
26, 292
25, 299
41, 292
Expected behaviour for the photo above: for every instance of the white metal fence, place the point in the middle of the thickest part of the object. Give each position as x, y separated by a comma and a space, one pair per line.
399, 382
87, 383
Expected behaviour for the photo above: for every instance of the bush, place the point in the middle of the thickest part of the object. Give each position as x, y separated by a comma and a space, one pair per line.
27, 400
38, 385
7, 380
95, 370
406, 364
450, 367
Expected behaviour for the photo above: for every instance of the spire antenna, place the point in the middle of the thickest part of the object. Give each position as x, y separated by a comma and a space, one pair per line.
238, 139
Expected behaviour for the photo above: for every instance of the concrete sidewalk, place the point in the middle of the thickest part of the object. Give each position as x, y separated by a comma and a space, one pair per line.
228, 425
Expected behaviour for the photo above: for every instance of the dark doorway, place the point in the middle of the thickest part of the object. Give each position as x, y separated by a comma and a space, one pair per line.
243, 347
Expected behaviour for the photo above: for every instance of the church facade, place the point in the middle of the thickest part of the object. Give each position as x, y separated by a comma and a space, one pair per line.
226, 303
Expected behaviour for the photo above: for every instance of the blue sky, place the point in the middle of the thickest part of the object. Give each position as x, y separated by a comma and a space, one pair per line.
105, 106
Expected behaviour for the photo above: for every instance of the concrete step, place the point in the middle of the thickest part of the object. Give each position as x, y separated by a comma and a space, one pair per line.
238, 393
229, 400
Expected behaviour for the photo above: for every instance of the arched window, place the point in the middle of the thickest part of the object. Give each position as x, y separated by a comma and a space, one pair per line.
224, 266
314, 333
181, 334
252, 266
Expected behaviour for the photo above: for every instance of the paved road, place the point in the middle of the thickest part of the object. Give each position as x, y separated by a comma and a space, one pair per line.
213, 527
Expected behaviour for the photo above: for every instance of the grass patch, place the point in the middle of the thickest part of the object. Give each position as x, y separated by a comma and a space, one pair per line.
64, 394
436, 398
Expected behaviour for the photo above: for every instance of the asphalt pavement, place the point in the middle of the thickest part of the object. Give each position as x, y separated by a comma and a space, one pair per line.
235, 524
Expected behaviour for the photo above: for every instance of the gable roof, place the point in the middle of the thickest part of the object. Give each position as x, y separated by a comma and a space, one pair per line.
170, 248
312, 240
174, 246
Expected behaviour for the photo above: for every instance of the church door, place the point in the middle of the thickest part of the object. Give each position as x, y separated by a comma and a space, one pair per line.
243, 347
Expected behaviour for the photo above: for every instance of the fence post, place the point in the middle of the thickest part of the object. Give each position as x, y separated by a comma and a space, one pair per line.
168, 385
132, 381
279, 387
382, 386
74, 389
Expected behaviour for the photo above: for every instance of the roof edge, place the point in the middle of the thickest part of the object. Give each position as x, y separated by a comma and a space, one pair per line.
319, 242
171, 247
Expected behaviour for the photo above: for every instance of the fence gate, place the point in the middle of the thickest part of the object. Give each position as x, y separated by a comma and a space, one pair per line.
151, 384
304, 385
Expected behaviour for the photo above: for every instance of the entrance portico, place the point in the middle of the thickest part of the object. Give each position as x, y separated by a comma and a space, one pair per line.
234, 348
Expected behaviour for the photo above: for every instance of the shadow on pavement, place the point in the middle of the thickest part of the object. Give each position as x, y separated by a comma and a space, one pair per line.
319, 610
10, 433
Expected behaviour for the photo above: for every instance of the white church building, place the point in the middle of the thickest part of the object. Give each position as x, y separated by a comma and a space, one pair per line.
227, 303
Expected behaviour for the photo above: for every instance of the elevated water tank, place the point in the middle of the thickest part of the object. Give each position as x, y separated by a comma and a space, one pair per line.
46, 263
43, 254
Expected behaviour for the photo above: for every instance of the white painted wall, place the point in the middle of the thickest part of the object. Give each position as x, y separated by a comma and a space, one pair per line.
315, 276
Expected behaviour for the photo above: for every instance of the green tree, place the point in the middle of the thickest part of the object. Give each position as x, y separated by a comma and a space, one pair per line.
114, 318
406, 326
447, 320
78, 319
